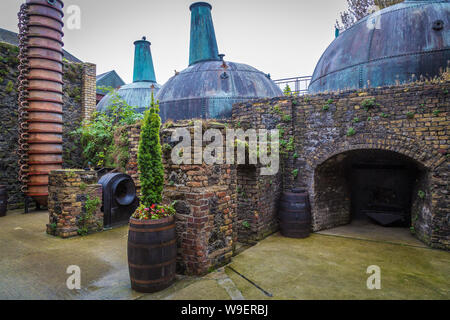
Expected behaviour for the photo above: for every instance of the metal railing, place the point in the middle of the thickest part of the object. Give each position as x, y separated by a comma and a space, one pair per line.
297, 85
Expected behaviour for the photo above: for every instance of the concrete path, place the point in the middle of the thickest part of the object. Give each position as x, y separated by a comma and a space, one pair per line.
330, 265
364, 229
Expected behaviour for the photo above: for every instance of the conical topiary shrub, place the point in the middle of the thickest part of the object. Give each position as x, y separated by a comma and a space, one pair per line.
149, 158
152, 248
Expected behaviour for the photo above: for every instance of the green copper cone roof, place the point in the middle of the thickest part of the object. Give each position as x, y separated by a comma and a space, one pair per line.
203, 45
137, 94
209, 87
143, 62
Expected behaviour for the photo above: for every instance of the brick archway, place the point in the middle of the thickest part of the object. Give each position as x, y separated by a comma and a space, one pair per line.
416, 150
426, 213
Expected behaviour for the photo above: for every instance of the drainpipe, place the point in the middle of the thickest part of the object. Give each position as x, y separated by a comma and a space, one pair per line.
203, 44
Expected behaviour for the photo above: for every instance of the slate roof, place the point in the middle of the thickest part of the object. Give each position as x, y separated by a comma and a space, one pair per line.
109, 79
12, 38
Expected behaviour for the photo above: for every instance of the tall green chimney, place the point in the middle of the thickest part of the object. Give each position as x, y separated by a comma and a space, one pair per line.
203, 45
143, 62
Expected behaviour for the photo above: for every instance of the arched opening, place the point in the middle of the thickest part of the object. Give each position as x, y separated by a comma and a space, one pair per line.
377, 186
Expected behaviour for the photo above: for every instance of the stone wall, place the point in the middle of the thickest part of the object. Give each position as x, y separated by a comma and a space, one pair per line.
321, 137
9, 170
204, 197
73, 116
257, 202
205, 200
73, 73
409, 120
332, 195
258, 195
217, 205
74, 203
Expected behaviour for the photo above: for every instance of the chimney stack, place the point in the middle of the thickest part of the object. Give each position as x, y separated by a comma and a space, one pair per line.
143, 62
203, 45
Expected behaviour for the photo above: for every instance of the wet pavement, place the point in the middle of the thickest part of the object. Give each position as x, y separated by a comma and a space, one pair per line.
328, 265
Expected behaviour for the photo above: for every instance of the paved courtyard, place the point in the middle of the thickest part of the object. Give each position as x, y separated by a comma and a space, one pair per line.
328, 265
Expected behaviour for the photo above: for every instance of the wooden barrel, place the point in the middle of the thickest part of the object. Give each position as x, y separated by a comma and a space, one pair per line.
152, 253
3, 201
295, 214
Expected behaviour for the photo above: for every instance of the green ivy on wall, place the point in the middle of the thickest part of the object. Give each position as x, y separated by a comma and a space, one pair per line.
104, 138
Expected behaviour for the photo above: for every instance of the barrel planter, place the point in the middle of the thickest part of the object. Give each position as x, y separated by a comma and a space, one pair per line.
295, 214
152, 252
3, 201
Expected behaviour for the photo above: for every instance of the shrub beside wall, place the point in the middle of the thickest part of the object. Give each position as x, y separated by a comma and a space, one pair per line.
219, 205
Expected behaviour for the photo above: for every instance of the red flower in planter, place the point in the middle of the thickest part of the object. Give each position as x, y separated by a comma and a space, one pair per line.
155, 212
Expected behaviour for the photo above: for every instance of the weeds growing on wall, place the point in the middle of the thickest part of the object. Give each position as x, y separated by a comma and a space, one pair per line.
91, 205
287, 91
104, 138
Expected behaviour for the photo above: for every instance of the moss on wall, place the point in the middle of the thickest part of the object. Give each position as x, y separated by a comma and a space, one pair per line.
9, 120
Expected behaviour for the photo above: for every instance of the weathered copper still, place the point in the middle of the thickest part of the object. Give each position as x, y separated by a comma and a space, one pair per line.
40, 94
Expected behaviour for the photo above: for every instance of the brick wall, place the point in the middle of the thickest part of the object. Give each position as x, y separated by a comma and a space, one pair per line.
321, 130
256, 205
257, 201
217, 205
204, 197
89, 90
70, 194
134, 133
320, 136
205, 201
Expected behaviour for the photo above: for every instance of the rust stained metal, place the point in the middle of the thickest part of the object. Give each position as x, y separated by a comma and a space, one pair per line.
40, 94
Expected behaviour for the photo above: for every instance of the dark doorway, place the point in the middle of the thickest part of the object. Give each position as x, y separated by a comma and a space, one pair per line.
381, 190
375, 185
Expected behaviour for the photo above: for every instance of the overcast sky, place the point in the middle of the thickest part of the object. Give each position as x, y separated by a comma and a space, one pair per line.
282, 37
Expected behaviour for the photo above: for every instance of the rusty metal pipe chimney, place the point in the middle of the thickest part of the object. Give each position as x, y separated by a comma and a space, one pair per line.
40, 94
